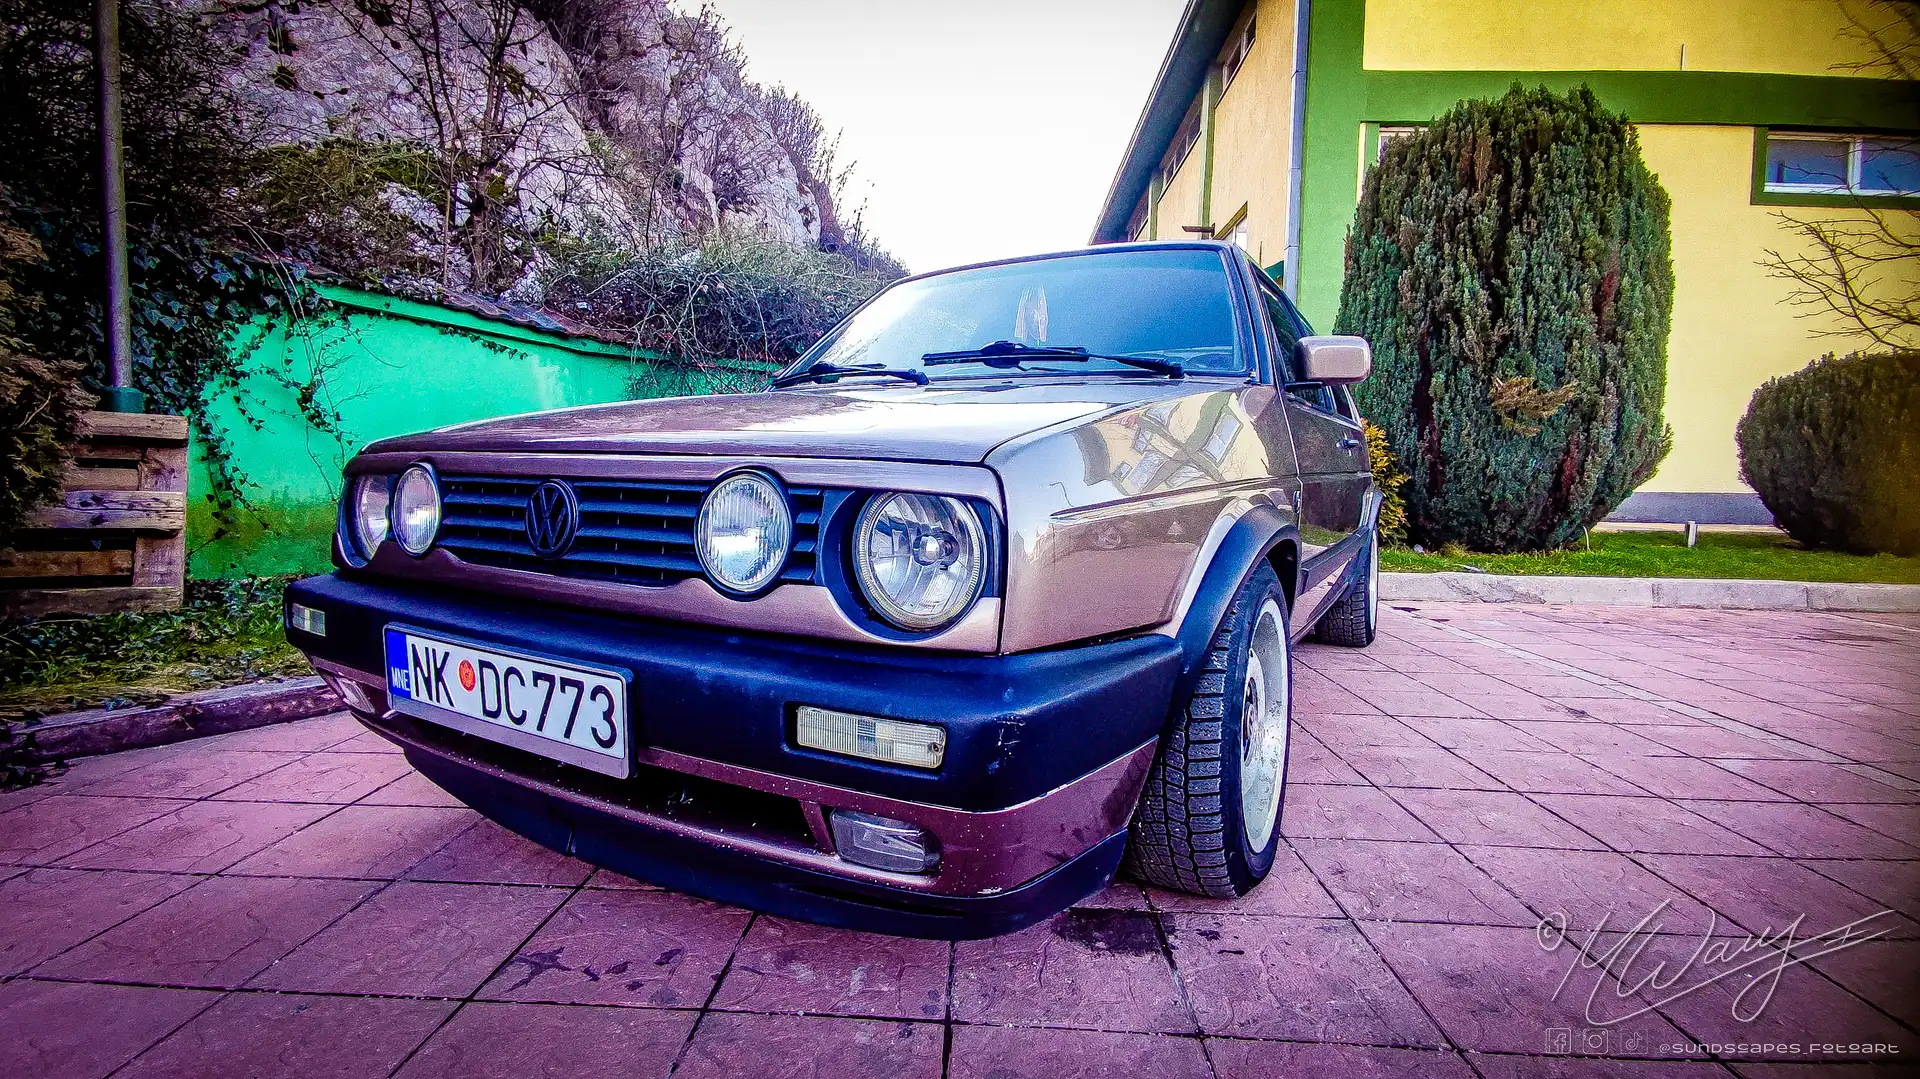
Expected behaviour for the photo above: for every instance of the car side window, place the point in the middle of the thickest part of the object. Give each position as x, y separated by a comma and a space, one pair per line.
1286, 335
1343, 404
1288, 328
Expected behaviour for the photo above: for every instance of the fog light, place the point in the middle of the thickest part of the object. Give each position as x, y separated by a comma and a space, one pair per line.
917, 745
882, 843
349, 692
307, 619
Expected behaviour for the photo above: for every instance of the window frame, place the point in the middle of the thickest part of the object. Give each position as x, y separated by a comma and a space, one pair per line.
1332, 404
1239, 47
1765, 193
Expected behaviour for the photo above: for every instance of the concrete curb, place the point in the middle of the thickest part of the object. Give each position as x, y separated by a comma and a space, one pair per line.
1734, 595
215, 711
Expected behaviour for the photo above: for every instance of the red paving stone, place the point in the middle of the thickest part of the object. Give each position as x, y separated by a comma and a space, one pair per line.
43, 912
215, 935
654, 948
1294, 979
727, 1046
785, 966
416, 940
288, 1036
520, 1041
1450, 786
1097, 969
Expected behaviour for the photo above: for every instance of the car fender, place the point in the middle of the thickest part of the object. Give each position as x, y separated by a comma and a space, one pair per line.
1245, 547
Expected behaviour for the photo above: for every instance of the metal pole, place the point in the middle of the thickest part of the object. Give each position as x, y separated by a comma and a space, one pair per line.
119, 396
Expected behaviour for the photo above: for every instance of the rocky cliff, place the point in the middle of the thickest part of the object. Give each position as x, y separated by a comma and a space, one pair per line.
619, 119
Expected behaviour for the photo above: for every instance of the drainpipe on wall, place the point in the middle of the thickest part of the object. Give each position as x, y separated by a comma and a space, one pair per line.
1153, 205
119, 395
1296, 148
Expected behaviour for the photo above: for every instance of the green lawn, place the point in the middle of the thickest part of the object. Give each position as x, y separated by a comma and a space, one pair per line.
1665, 554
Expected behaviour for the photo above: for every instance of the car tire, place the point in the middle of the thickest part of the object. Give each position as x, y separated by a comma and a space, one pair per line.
1208, 821
1350, 623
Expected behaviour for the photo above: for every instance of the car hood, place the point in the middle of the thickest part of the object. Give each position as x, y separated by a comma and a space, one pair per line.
957, 424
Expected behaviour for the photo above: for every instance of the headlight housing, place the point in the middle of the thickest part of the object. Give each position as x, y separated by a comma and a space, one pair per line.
921, 559
368, 506
416, 510
743, 532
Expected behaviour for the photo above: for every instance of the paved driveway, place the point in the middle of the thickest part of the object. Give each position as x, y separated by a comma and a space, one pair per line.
292, 901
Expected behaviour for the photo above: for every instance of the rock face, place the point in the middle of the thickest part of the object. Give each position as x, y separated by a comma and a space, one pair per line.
610, 117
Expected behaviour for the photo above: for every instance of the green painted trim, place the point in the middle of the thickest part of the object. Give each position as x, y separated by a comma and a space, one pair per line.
1225, 228
1277, 271
433, 314
1211, 103
1336, 107
1760, 196
1740, 99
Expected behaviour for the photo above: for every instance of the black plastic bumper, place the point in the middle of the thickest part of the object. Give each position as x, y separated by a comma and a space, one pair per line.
704, 869
1017, 726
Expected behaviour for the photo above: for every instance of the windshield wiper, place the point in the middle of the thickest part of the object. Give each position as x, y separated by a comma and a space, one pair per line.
1014, 354
818, 371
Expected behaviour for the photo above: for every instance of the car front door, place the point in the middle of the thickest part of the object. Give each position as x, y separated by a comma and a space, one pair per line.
1331, 449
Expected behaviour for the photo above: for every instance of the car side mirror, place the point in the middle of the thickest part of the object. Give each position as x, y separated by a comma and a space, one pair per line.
1334, 360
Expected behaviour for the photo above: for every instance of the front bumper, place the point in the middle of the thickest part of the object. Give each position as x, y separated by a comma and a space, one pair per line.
1046, 755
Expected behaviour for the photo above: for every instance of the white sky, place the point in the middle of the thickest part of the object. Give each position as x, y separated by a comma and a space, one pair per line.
980, 129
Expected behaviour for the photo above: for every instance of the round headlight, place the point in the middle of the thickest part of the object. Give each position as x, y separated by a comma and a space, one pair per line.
368, 506
921, 558
743, 532
416, 510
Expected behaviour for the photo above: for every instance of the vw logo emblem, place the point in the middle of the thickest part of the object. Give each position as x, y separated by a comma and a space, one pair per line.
553, 519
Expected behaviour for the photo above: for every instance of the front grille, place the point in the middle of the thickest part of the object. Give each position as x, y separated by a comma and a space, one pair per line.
635, 531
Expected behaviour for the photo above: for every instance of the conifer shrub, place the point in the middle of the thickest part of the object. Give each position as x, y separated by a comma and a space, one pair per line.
1510, 265
1834, 451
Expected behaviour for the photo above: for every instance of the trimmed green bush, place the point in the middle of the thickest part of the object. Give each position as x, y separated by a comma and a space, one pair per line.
1510, 264
1834, 450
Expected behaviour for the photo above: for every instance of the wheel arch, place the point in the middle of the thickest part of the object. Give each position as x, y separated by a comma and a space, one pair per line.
1262, 536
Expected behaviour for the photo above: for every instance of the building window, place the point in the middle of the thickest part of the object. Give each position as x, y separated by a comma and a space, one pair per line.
1842, 165
1388, 134
1235, 229
1237, 51
1184, 139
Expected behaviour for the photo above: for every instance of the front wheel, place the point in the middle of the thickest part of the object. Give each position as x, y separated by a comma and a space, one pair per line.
1208, 822
1351, 620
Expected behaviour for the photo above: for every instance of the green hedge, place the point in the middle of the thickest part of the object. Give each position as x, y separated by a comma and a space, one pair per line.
1834, 451
1510, 264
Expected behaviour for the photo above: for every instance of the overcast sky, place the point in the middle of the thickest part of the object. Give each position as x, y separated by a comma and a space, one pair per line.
980, 129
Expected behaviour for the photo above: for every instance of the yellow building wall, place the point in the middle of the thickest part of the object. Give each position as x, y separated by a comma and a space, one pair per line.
1180, 202
1253, 129
1789, 37
1733, 327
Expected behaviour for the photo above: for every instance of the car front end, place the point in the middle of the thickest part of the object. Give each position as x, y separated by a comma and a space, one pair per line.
894, 655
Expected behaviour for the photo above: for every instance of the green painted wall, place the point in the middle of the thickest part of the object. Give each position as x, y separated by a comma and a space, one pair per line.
1342, 95
385, 366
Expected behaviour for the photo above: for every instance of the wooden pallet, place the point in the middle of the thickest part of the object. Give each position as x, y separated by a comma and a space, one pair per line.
116, 538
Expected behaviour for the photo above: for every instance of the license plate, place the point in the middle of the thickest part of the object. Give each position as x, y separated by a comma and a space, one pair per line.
559, 710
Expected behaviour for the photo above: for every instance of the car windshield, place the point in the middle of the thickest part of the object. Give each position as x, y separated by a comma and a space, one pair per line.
1169, 305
